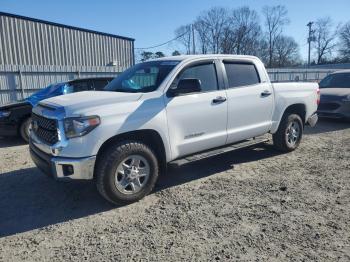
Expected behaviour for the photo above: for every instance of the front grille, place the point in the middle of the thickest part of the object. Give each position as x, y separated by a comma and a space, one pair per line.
328, 106
45, 129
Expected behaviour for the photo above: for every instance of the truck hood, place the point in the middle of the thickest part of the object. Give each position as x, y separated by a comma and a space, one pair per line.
80, 101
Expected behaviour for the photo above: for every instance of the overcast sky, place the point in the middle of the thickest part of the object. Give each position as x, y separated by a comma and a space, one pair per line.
152, 22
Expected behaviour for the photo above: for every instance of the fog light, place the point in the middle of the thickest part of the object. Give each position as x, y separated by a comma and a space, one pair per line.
68, 170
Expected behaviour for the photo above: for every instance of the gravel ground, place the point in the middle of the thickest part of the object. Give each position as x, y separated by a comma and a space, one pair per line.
253, 204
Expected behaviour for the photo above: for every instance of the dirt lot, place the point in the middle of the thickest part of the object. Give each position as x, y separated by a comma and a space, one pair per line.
253, 204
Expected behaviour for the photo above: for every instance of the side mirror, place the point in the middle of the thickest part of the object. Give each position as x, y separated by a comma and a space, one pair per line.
186, 86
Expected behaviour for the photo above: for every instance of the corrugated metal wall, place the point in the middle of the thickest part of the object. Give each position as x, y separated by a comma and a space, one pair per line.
19, 82
36, 53
32, 42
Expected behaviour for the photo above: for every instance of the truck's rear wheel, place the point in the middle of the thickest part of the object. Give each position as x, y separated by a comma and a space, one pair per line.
126, 172
24, 129
289, 133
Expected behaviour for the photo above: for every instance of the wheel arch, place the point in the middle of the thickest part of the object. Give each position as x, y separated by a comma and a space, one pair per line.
297, 108
148, 136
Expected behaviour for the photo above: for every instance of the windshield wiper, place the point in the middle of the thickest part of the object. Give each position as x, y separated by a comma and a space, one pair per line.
124, 90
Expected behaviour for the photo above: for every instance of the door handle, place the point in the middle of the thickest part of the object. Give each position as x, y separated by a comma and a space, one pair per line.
265, 93
219, 99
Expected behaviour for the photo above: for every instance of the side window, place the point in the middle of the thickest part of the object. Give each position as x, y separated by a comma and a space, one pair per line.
340, 80
206, 73
240, 74
99, 84
82, 86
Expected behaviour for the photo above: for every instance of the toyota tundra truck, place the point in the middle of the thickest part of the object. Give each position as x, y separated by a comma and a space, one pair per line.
169, 110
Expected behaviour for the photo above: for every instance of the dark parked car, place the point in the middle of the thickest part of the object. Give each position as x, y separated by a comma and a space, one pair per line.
15, 117
335, 96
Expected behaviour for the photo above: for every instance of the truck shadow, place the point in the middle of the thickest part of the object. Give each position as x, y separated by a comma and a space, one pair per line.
216, 164
11, 141
327, 125
30, 200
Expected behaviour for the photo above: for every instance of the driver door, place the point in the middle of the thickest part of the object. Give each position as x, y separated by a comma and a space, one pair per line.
197, 121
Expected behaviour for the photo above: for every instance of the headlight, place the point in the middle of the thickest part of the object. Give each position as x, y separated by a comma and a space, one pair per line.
346, 98
80, 126
4, 113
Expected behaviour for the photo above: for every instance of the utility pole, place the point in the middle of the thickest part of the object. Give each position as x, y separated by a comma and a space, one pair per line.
193, 41
309, 40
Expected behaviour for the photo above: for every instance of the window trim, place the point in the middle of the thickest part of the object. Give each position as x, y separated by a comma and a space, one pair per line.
194, 64
227, 61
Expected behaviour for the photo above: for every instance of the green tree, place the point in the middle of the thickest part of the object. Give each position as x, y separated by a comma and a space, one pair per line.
158, 54
175, 53
145, 56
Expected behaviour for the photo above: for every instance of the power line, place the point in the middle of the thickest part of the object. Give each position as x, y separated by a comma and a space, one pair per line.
167, 42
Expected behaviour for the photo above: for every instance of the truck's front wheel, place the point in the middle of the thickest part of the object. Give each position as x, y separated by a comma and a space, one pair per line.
126, 172
289, 133
24, 129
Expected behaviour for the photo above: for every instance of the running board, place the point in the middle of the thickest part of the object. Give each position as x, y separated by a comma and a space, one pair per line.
219, 151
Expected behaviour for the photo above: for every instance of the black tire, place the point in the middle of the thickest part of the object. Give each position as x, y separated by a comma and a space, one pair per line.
24, 129
107, 166
281, 139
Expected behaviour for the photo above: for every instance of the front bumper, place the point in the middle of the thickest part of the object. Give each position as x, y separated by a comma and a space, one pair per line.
62, 168
49, 158
334, 109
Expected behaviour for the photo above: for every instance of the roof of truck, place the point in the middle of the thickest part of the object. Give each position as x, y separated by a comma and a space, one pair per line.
213, 56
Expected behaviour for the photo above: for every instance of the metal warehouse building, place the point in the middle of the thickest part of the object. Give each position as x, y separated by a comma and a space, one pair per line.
35, 53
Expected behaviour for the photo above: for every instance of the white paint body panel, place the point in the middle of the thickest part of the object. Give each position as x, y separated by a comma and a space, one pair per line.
287, 94
195, 123
249, 114
189, 123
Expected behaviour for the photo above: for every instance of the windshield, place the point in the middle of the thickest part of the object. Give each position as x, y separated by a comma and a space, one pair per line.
341, 80
142, 78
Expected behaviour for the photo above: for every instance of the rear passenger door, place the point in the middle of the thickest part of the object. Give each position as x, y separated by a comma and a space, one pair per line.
250, 101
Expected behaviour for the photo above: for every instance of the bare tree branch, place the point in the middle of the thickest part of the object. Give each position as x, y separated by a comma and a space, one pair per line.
184, 34
324, 38
275, 19
213, 21
287, 51
344, 36
242, 33
238, 31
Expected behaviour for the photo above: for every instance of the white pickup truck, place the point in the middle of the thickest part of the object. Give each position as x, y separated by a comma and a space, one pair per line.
176, 109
